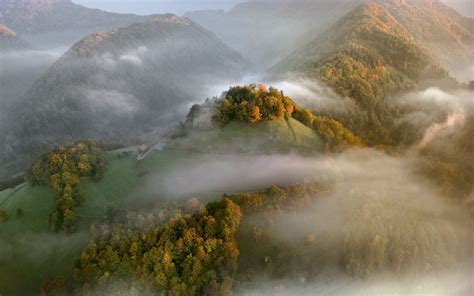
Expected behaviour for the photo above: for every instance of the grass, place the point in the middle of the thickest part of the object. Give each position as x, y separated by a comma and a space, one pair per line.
30, 253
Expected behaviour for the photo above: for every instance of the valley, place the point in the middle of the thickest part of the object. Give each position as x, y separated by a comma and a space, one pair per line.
274, 148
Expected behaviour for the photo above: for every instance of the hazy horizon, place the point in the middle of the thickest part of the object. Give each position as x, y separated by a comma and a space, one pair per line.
180, 7
144, 7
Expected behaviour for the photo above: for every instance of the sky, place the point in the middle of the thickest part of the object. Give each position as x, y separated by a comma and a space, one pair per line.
179, 7
144, 7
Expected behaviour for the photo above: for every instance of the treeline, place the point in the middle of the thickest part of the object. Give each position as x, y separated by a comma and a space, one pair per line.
252, 104
62, 170
187, 251
275, 233
184, 250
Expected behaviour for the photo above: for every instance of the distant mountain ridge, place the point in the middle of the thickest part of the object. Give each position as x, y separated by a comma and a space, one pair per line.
266, 31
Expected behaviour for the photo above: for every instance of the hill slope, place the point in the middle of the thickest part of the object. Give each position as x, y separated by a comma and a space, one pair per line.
126, 184
367, 55
120, 83
445, 34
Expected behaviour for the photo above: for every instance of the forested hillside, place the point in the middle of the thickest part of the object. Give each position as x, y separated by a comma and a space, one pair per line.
367, 56
119, 84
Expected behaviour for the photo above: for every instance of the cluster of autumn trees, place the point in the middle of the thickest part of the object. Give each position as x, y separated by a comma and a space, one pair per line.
254, 103
223, 247
62, 170
177, 250
377, 60
182, 251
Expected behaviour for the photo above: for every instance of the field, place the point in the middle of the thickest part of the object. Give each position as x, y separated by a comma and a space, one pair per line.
29, 252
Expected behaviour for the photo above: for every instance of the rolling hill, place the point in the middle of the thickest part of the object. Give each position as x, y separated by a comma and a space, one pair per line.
119, 84
126, 184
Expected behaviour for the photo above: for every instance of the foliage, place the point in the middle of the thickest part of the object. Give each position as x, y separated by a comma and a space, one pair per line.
253, 104
368, 56
62, 170
191, 254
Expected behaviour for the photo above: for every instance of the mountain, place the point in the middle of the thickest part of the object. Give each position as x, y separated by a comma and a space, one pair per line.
120, 84
58, 20
440, 30
9, 39
266, 31
368, 55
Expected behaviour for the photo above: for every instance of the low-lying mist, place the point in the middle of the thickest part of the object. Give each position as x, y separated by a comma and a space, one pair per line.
382, 229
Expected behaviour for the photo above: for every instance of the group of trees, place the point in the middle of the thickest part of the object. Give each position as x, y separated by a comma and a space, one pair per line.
183, 251
254, 103
62, 170
192, 249
178, 250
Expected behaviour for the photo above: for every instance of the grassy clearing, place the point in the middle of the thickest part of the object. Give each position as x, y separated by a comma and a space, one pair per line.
29, 252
